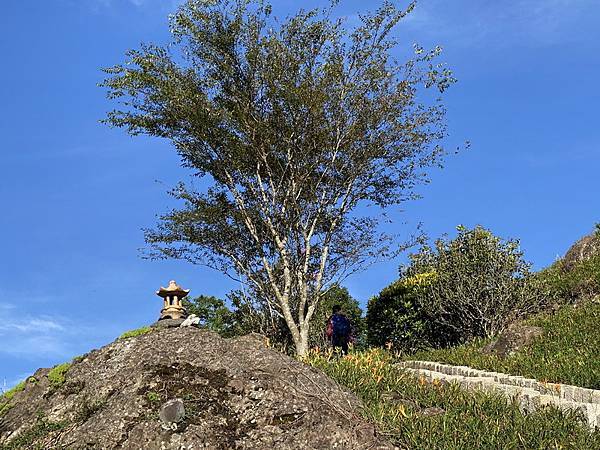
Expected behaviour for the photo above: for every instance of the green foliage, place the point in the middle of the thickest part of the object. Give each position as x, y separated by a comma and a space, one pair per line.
136, 332
40, 430
152, 397
257, 317
396, 318
336, 295
56, 376
568, 353
471, 286
396, 402
481, 284
213, 314
294, 124
6, 397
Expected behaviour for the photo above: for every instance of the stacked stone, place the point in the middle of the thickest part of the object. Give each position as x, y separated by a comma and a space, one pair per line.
530, 393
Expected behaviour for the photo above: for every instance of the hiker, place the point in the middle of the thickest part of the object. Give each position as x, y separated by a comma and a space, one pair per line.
339, 330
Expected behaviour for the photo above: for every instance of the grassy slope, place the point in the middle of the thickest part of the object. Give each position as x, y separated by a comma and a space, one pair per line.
568, 353
397, 403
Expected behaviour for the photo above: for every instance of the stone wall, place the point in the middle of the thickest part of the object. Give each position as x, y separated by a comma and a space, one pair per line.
530, 393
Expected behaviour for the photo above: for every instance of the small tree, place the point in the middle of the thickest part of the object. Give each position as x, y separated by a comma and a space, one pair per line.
293, 124
479, 283
213, 314
253, 315
398, 317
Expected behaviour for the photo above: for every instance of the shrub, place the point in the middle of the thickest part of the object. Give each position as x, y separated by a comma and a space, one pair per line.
481, 284
56, 376
396, 317
213, 314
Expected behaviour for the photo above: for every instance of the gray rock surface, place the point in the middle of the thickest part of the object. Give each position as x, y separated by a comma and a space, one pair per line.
168, 323
515, 337
238, 394
585, 248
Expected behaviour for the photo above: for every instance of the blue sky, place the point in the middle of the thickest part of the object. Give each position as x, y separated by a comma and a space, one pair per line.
75, 194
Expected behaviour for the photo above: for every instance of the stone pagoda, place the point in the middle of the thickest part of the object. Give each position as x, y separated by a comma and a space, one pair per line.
172, 296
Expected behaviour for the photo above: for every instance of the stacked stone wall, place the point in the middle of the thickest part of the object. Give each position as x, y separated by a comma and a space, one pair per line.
531, 394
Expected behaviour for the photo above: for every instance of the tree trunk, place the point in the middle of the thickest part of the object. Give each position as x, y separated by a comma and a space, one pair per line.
302, 342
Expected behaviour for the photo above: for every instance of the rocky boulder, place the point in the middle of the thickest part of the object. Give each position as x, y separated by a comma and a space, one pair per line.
515, 337
185, 388
584, 249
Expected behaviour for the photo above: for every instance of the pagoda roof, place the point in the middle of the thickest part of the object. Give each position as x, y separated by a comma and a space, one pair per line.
172, 289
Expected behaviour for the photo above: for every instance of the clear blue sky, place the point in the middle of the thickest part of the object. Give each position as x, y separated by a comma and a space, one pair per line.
75, 194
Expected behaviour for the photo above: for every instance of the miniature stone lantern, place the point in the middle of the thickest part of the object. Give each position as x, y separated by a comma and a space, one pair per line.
172, 296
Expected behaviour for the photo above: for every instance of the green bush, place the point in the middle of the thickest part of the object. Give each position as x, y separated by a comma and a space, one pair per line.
398, 404
472, 286
568, 353
213, 314
396, 318
56, 376
481, 284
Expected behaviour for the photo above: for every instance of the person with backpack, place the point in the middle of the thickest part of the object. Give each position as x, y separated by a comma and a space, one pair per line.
339, 330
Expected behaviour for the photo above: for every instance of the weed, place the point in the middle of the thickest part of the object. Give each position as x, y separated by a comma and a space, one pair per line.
56, 376
152, 396
39, 430
134, 333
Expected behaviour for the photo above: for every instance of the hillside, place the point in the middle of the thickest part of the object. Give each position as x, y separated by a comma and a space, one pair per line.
235, 393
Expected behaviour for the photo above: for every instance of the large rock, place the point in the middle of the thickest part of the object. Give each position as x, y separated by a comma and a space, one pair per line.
511, 340
585, 248
209, 392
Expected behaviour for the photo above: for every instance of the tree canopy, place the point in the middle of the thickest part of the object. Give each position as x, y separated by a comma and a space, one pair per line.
295, 124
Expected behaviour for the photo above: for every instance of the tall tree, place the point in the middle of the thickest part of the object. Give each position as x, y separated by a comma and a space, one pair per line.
294, 123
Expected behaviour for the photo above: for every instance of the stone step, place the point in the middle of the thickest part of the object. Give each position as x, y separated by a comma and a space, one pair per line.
568, 392
530, 393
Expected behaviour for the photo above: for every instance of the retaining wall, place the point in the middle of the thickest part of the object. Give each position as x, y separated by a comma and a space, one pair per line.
530, 393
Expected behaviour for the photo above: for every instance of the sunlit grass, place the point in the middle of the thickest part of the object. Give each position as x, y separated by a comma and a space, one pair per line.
568, 352
419, 415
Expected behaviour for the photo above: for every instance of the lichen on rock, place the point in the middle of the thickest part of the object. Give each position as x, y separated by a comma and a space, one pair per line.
234, 394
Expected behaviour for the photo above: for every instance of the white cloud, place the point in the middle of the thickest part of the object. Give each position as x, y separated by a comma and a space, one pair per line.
521, 22
31, 336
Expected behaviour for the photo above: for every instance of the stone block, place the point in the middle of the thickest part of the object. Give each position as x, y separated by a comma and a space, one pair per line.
567, 392
587, 395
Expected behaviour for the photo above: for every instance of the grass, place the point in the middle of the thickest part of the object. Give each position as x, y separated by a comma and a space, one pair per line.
6, 397
581, 281
134, 333
568, 353
56, 376
399, 405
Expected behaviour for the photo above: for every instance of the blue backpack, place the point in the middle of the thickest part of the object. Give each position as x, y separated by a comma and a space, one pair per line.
341, 325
